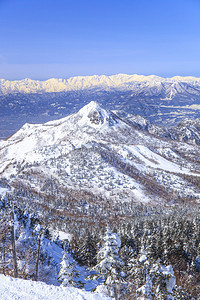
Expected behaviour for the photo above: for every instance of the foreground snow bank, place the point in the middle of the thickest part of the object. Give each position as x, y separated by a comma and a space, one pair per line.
11, 288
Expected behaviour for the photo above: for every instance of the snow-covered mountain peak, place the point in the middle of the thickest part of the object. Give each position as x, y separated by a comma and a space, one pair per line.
89, 123
96, 115
92, 106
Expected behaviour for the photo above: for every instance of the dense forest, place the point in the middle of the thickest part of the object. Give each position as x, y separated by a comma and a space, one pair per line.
126, 250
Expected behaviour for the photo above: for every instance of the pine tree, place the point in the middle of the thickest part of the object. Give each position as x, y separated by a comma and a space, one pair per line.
69, 274
163, 280
140, 282
86, 255
5, 239
15, 267
109, 265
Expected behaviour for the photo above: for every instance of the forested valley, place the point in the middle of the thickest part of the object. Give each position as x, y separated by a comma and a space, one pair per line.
125, 251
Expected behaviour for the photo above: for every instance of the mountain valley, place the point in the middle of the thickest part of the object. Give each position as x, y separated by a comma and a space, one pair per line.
65, 182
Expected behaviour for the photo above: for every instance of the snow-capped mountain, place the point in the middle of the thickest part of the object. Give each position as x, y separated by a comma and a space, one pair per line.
95, 151
150, 84
161, 100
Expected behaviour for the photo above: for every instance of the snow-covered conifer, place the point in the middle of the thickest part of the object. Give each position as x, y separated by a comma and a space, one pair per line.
70, 272
150, 279
87, 252
109, 264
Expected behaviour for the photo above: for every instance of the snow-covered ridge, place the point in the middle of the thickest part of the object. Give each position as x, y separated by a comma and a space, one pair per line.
121, 81
75, 129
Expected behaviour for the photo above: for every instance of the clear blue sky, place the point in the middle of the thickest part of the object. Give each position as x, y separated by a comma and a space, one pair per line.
40, 39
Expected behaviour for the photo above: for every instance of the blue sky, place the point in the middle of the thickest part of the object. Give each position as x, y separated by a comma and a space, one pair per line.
40, 39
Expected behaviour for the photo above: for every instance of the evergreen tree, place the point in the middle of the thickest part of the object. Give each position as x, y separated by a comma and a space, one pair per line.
5, 239
150, 279
69, 274
109, 264
86, 255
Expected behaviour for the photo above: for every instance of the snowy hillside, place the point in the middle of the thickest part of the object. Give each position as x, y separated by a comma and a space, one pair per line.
11, 289
95, 151
186, 131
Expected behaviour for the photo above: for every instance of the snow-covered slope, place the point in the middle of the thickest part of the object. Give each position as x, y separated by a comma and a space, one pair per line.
96, 151
186, 131
12, 289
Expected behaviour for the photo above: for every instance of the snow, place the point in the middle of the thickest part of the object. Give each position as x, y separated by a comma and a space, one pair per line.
171, 281
3, 191
78, 128
12, 289
95, 150
142, 258
150, 159
156, 161
63, 236
93, 115
120, 81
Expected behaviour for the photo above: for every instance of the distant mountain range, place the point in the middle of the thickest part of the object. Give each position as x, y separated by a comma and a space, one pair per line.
163, 101
99, 152
149, 85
